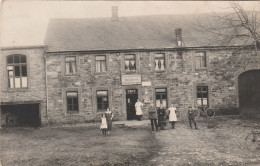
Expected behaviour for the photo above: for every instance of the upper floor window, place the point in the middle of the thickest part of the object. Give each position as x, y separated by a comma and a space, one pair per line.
200, 60
159, 61
17, 71
72, 102
202, 95
130, 63
101, 65
70, 65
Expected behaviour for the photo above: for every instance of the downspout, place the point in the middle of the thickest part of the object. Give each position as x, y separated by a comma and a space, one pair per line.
46, 89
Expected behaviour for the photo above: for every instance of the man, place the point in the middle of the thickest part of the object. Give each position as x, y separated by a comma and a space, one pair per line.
191, 116
153, 117
161, 117
138, 109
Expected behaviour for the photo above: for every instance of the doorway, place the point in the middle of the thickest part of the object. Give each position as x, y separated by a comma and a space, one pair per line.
131, 98
249, 92
20, 115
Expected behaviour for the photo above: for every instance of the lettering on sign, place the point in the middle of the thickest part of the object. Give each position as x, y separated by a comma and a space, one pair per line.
131, 79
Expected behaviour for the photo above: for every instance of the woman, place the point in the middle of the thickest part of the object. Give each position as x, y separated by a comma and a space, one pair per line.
109, 117
172, 116
161, 117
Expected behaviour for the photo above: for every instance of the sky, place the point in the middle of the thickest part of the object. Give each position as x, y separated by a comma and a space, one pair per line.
24, 23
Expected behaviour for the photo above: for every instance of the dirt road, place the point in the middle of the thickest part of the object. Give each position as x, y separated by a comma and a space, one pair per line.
218, 142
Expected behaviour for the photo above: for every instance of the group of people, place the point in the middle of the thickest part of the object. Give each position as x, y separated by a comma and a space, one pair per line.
106, 122
157, 117
161, 114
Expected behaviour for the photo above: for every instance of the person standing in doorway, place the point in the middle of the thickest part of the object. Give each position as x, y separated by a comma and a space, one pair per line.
153, 117
191, 116
138, 109
109, 116
172, 115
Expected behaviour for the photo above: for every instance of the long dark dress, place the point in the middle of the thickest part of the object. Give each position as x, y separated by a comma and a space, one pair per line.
161, 118
109, 120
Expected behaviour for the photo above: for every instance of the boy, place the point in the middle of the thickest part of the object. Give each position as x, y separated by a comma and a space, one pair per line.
191, 116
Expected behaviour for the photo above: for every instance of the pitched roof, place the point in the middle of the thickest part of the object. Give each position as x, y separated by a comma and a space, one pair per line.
142, 32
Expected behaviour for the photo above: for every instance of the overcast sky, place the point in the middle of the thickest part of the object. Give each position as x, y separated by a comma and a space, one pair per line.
25, 23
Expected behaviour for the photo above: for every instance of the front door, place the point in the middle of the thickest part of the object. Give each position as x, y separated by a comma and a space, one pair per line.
131, 98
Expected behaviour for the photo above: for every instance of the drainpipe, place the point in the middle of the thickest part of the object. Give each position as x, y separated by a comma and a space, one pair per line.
46, 89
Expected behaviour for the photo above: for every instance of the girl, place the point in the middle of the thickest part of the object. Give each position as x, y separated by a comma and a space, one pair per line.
103, 126
172, 116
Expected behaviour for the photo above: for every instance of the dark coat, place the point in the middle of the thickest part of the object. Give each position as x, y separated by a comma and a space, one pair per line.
191, 114
152, 113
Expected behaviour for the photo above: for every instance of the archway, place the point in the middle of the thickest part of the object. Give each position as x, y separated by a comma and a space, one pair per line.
249, 92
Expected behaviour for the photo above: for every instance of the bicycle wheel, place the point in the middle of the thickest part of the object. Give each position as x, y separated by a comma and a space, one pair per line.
210, 113
251, 142
197, 113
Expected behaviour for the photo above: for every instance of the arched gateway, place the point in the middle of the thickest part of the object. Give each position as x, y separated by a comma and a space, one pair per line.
249, 93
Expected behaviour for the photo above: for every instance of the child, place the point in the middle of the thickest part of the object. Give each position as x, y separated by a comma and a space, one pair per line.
103, 126
191, 116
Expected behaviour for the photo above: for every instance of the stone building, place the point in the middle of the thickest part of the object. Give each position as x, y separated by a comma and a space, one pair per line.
91, 64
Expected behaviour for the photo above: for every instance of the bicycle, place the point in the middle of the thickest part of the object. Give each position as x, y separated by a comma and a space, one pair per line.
252, 140
206, 111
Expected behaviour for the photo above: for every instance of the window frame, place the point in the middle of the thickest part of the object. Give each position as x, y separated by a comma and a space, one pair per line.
103, 104
106, 64
202, 92
13, 65
206, 60
154, 62
135, 59
67, 106
69, 65
161, 93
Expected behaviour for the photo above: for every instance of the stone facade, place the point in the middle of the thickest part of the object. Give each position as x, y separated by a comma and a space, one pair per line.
180, 78
35, 91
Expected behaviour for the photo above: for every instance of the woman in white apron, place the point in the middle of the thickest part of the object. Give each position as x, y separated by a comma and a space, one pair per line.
172, 116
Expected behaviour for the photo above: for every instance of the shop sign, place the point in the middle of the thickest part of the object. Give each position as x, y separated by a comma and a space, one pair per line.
131, 79
147, 83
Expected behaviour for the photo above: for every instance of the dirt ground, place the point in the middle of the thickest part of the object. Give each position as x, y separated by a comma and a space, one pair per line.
217, 142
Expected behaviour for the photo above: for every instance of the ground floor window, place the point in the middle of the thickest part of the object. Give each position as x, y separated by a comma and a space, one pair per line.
161, 97
102, 100
72, 102
202, 95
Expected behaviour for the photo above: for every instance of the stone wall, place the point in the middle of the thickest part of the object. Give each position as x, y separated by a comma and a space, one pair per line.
180, 78
35, 93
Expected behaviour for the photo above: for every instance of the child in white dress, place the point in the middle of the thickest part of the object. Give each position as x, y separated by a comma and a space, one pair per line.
103, 126
172, 115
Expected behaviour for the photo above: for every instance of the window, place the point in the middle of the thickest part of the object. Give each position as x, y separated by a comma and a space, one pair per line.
179, 55
200, 60
17, 71
159, 61
130, 63
102, 100
70, 65
72, 102
101, 63
202, 95
161, 97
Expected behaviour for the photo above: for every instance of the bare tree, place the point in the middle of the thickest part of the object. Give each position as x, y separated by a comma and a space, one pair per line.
239, 28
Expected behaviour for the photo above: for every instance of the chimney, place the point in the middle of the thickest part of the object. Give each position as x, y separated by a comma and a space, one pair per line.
178, 33
114, 13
